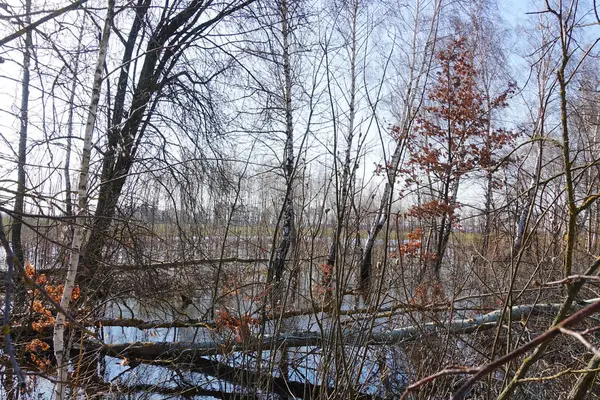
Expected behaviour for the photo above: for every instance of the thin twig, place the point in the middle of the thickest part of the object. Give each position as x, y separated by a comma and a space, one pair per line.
479, 372
40, 21
580, 337
439, 374
573, 278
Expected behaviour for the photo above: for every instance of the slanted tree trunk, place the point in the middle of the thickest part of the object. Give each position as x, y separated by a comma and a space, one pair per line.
60, 353
381, 216
165, 47
115, 164
420, 63
539, 131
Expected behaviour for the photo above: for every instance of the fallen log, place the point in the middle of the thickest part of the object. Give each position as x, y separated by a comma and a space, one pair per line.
399, 334
188, 263
353, 336
201, 261
382, 312
142, 324
195, 357
192, 351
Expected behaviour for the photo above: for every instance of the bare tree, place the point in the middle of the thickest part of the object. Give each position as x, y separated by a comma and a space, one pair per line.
419, 64
22, 156
60, 352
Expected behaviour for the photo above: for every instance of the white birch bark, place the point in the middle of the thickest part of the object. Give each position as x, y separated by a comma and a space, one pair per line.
67, 168
60, 352
288, 234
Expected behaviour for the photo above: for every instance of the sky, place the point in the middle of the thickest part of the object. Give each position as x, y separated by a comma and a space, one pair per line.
512, 11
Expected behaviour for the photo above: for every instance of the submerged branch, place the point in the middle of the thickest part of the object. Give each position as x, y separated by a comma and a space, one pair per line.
145, 350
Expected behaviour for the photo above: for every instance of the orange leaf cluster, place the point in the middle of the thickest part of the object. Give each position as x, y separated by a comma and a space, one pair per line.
239, 326
434, 208
453, 136
428, 292
35, 348
40, 308
410, 248
416, 234
325, 288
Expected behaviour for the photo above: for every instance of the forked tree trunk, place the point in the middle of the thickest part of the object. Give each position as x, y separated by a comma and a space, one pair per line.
380, 218
124, 137
115, 164
445, 229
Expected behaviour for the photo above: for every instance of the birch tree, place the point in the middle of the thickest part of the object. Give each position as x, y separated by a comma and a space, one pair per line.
288, 226
61, 353
354, 31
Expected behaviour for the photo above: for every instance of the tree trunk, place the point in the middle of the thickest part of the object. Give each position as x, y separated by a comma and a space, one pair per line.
380, 218
288, 230
412, 100
19, 205
585, 381
347, 180
60, 353
125, 137
67, 167
566, 30
445, 229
